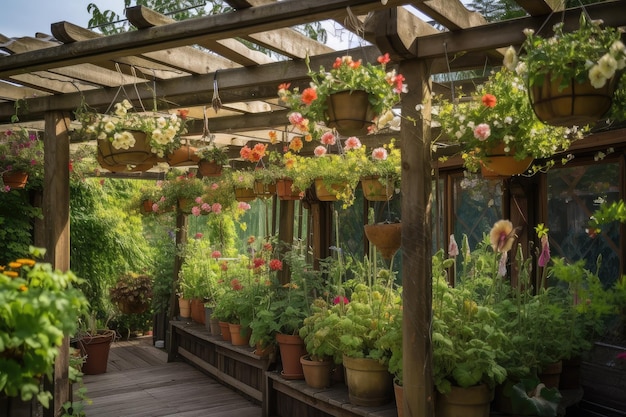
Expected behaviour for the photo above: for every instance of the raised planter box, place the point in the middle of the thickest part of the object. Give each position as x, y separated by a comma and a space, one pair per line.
235, 366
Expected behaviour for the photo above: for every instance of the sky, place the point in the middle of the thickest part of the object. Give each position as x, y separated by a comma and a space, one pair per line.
27, 17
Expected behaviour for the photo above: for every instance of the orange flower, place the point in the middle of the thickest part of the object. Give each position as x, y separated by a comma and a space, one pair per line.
26, 261
284, 86
15, 265
296, 144
273, 136
502, 236
308, 95
489, 100
11, 274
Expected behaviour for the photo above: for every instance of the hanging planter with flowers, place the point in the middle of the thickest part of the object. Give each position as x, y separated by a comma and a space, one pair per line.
130, 138
21, 157
380, 172
498, 120
348, 98
212, 160
572, 76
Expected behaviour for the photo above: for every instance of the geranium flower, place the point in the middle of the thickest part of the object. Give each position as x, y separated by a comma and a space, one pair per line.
328, 139
352, 143
216, 254
489, 100
308, 95
379, 154
482, 131
320, 150
276, 265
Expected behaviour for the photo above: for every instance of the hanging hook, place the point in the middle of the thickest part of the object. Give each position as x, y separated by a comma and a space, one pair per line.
216, 102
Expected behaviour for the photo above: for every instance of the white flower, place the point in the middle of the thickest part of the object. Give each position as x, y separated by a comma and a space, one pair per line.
618, 48
596, 77
529, 32
508, 120
161, 123
510, 59
607, 65
521, 69
109, 126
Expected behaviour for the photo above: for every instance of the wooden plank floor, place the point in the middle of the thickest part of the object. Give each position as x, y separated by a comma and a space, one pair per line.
140, 383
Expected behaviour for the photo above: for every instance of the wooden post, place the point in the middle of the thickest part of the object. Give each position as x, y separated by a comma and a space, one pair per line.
285, 231
56, 212
181, 239
416, 241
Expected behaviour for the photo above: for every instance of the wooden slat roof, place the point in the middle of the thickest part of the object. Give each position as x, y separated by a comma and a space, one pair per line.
178, 61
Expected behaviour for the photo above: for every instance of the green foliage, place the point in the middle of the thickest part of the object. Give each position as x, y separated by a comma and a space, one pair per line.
132, 287
530, 398
199, 272
38, 307
17, 215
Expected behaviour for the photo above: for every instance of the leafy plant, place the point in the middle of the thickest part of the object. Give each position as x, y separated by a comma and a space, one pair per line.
213, 153
39, 306
132, 287
20, 150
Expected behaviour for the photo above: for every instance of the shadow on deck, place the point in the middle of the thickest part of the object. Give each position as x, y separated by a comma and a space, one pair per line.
140, 383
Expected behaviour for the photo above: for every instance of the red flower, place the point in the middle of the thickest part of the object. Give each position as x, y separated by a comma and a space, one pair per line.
236, 285
198, 235
183, 113
258, 262
341, 299
224, 266
308, 95
216, 254
383, 59
489, 100
276, 265
284, 86
267, 247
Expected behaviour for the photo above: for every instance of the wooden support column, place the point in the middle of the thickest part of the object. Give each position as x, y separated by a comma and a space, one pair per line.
56, 212
181, 240
285, 232
416, 190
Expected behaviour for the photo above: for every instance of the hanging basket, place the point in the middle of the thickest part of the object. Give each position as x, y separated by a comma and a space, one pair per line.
323, 193
385, 236
209, 168
185, 156
575, 105
138, 154
132, 306
375, 190
125, 168
263, 190
15, 179
500, 165
349, 112
285, 190
244, 194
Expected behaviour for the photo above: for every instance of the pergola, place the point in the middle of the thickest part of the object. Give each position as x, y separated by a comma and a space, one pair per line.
46, 77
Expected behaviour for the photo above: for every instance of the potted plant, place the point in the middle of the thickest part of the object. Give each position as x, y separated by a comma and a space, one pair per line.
212, 159
30, 338
132, 138
497, 129
380, 172
21, 157
369, 91
132, 293
571, 75
184, 191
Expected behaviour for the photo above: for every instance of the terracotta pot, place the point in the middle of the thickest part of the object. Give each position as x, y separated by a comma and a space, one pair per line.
15, 179
316, 373
185, 156
499, 164
385, 236
398, 391
467, 402
324, 194
146, 206
285, 191
263, 351
244, 194
225, 330
576, 104
126, 168
263, 190
184, 308
197, 310
291, 349
550, 374
349, 112
138, 154
96, 348
369, 383
216, 330
374, 190
209, 168
239, 336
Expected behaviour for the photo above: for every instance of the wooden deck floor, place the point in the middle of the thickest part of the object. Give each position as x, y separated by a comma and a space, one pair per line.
140, 383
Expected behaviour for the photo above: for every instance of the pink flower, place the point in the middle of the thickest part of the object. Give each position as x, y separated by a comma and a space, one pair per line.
243, 206
155, 207
216, 254
341, 299
352, 143
195, 210
205, 207
198, 235
215, 186
482, 131
276, 265
544, 257
216, 208
453, 248
328, 139
295, 118
379, 154
320, 151
621, 356
198, 200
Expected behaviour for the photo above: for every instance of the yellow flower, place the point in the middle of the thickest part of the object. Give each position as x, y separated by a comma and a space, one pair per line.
11, 274
15, 265
502, 236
